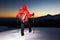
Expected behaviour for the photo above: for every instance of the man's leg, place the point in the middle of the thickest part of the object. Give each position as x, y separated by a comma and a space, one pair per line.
28, 25
22, 29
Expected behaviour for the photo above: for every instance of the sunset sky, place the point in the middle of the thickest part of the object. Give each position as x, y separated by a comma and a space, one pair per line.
9, 8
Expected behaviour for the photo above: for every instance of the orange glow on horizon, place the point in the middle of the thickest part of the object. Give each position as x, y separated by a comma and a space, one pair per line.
13, 15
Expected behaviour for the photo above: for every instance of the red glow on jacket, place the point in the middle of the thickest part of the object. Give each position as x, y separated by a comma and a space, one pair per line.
23, 13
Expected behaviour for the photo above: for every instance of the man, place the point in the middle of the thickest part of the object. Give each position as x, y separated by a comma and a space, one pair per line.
23, 15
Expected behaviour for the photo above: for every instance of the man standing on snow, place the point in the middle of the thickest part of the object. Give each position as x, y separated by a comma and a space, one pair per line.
23, 15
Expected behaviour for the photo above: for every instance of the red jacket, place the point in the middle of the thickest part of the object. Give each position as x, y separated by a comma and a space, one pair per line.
23, 14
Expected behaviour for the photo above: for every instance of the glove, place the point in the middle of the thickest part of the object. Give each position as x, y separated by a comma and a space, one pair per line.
33, 14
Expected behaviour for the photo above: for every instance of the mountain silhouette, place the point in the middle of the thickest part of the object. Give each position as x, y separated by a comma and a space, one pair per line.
49, 17
45, 21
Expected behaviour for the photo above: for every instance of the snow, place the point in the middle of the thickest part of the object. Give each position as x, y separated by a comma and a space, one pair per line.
36, 34
16, 35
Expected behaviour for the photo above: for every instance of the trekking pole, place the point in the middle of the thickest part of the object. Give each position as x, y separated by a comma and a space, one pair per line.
17, 25
33, 23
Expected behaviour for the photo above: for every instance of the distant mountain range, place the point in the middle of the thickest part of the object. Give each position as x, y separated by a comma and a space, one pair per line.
47, 20
48, 17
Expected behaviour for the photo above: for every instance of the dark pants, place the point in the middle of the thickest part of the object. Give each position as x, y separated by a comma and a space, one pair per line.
22, 27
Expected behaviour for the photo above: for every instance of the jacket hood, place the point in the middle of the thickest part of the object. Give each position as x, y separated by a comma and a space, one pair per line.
24, 7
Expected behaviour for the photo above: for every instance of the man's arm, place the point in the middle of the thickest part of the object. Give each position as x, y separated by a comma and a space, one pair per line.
30, 14
17, 15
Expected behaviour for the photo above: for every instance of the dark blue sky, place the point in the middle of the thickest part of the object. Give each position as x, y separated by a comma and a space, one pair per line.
40, 7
